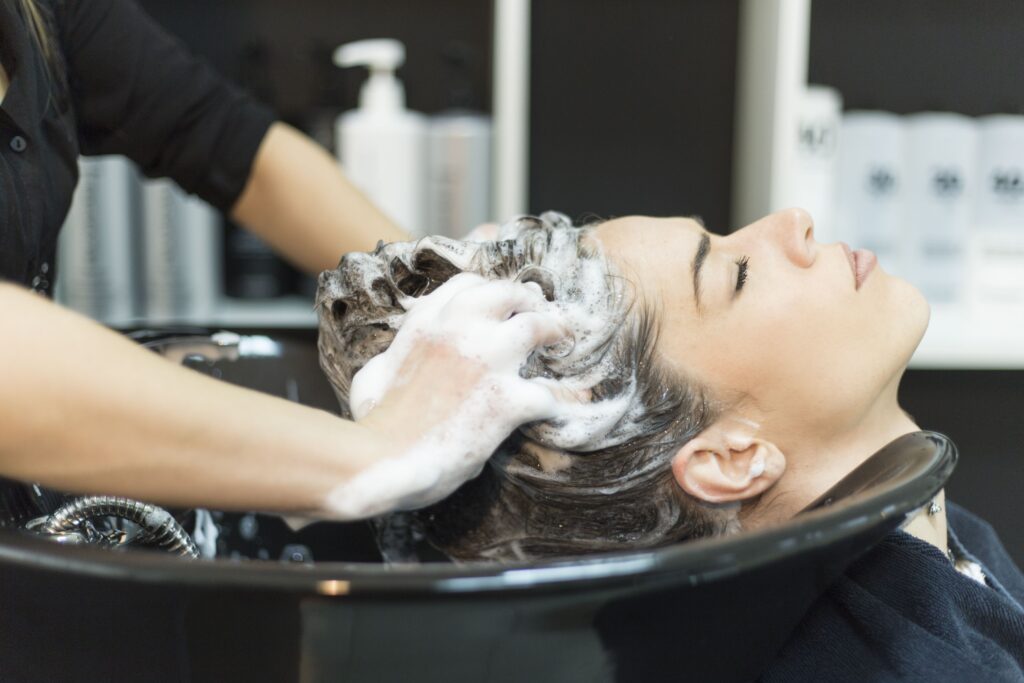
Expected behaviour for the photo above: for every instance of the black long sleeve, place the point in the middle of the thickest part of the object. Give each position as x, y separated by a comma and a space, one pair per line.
120, 84
138, 92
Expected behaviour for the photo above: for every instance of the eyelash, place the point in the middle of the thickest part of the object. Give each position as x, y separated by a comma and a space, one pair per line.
741, 278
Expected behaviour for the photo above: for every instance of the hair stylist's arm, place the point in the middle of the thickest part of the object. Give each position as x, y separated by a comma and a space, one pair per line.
298, 199
85, 410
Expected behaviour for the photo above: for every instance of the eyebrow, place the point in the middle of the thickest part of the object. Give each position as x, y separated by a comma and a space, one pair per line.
703, 249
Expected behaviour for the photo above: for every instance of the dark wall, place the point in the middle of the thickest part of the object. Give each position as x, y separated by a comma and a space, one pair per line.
916, 55
296, 39
631, 103
631, 108
981, 410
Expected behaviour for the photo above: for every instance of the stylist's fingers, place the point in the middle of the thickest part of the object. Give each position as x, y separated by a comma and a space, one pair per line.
541, 398
527, 331
487, 232
496, 300
527, 401
452, 288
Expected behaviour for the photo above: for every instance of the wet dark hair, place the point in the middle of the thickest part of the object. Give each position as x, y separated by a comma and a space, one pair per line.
535, 500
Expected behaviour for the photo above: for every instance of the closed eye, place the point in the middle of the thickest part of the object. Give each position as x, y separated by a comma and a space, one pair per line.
741, 276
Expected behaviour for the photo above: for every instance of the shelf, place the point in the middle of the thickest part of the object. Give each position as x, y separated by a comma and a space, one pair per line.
292, 312
962, 340
286, 312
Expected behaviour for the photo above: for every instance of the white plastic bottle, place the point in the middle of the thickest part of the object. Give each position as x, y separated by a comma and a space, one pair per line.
871, 192
996, 257
458, 156
941, 167
459, 175
381, 144
181, 259
96, 249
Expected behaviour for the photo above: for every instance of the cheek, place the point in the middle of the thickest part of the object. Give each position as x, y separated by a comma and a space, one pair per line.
792, 349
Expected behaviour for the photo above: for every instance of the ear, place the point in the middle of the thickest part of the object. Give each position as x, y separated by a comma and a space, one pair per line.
724, 463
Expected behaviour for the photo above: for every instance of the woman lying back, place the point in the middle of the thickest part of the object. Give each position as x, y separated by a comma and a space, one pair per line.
725, 382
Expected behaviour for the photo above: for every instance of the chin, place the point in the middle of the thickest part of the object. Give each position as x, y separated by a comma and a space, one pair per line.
912, 312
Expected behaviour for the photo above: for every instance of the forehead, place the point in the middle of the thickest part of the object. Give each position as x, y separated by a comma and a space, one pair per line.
633, 235
654, 253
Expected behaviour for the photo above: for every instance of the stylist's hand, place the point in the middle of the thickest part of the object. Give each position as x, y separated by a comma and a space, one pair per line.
485, 232
447, 392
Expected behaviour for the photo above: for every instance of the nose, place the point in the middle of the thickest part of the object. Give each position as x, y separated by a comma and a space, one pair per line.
793, 231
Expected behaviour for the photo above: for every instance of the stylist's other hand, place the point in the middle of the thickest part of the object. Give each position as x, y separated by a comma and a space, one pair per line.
447, 392
485, 232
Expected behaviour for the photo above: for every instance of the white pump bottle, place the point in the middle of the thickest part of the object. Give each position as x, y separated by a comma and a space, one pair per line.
381, 145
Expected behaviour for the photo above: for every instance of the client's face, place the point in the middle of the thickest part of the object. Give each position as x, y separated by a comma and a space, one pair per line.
796, 339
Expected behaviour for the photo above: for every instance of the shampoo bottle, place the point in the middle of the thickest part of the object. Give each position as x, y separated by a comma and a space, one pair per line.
181, 245
381, 143
871, 194
941, 167
996, 252
96, 249
458, 157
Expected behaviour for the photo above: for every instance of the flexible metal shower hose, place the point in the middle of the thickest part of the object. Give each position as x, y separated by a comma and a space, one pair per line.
160, 529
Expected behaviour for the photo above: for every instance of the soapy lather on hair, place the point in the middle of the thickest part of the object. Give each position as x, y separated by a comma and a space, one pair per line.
491, 326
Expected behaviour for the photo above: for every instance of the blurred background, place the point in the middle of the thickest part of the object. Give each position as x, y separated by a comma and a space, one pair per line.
899, 126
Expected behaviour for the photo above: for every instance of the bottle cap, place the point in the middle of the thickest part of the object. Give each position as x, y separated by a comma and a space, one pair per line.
382, 56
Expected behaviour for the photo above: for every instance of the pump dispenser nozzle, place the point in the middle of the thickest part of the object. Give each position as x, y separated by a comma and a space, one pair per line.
382, 56
381, 144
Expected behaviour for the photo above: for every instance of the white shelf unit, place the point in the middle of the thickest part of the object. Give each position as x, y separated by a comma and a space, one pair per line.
965, 340
771, 74
285, 312
774, 38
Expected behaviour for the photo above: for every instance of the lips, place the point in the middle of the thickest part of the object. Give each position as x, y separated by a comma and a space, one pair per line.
862, 262
865, 263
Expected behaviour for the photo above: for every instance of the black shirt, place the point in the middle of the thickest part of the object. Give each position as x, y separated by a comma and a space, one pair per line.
122, 86
903, 613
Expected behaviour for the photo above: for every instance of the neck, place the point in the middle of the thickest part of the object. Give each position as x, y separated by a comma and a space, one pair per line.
815, 465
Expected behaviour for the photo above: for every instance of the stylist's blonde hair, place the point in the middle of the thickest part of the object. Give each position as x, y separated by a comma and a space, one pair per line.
41, 32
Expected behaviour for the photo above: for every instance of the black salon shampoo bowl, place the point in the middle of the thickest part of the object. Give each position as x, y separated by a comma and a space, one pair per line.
710, 610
